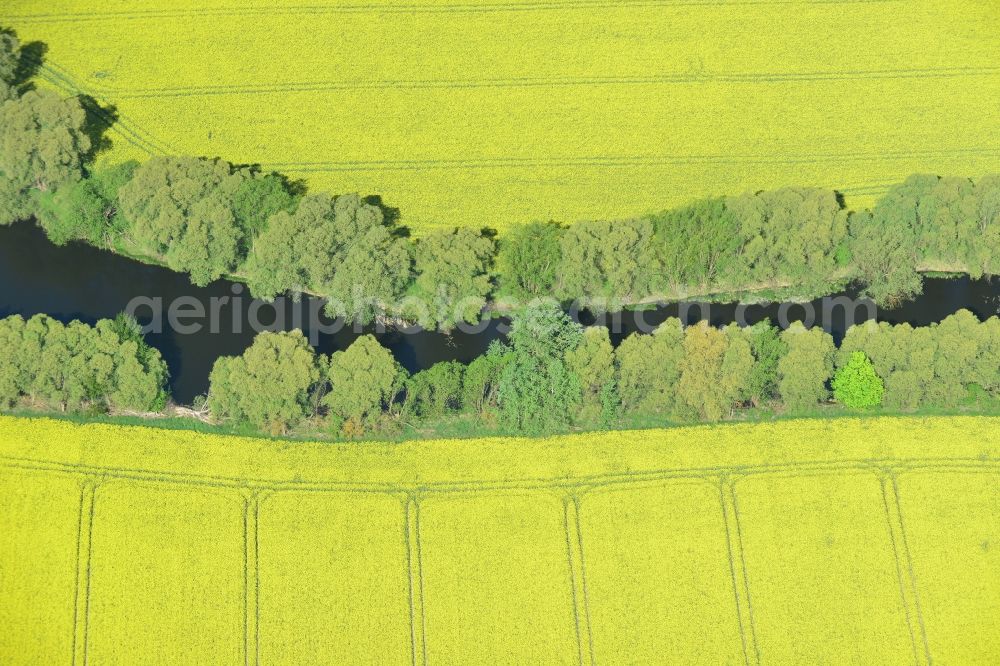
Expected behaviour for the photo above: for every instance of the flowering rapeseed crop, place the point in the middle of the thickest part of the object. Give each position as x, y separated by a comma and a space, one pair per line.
841, 541
487, 113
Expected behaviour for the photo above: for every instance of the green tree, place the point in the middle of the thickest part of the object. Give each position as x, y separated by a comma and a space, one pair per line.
257, 198
364, 381
10, 59
806, 367
42, 146
794, 235
696, 245
13, 377
960, 343
856, 385
337, 247
593, 363
529, 258
768, 348
537, 392
648, 368
883, 251
75, 367
436, 391
453, 278
86, 210
140, 372
481, 382
607, 260
269, 386
714, 371
181, 210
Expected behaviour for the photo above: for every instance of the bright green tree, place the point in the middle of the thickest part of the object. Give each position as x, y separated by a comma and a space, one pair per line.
857, 385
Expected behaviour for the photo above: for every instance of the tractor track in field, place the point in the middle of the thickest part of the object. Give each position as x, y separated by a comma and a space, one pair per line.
420, 8
573, 490
577, 484
129, 131
676, 78
622, 161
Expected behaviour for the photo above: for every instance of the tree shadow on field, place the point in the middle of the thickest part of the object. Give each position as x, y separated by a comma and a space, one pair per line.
390, 216
297, 187
98, 121
28, 63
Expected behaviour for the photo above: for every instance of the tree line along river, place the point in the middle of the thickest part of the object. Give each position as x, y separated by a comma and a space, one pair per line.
78, 281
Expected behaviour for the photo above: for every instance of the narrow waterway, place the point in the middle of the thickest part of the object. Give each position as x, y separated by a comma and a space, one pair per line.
77, 281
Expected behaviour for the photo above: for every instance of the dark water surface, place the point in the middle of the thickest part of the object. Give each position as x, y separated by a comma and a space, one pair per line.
81, 282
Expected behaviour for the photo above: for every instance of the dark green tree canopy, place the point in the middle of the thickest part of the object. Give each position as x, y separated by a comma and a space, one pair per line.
181, 209
269, 386
453, 278
529, 259
364, 381
42, 145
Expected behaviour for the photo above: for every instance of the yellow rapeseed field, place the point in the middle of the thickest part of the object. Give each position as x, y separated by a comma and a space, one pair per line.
836, 541
489, 112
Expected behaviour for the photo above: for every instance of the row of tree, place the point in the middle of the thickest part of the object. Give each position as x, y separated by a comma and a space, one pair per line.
551, 375
50, 366
210, 218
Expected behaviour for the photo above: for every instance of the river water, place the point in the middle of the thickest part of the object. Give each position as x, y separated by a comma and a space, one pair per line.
77, 281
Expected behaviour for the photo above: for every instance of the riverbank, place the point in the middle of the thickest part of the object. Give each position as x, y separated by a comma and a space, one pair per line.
180, 418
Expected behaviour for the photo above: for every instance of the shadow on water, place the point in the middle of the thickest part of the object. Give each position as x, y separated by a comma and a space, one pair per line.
77, 281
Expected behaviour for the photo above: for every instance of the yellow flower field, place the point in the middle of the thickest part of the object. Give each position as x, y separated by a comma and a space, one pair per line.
826, 541
500, 111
